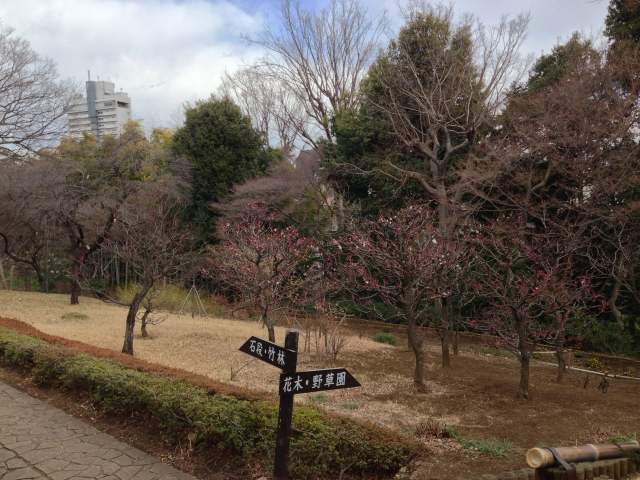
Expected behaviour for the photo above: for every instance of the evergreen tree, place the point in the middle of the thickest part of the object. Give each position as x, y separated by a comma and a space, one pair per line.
223, 149
623, 21
550, 68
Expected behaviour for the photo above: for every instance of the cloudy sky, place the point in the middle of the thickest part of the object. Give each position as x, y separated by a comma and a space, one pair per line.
166, 52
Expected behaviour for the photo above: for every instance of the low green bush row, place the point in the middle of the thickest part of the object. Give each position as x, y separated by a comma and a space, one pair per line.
385, 337
321, 445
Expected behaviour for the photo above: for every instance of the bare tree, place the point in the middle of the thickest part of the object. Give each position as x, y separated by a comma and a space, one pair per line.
272, 107
438, 86
150, 237
89, 182
320, 58
33, 99
27, 228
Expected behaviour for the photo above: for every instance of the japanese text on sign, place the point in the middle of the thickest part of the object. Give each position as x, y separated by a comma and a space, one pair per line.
267, 352
306, 382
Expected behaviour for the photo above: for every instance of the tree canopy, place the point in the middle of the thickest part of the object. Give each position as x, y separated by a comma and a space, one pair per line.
223, 149
623, 21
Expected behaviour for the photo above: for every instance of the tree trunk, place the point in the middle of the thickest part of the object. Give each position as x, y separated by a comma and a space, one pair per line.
267, 322
42, 284
443, 331
143, 324
444, 342
615, 292
272, 333
456, 349
3, 279
562, 364
560, 351
416, 341
127, 346
75, 292
525, 361
76, 275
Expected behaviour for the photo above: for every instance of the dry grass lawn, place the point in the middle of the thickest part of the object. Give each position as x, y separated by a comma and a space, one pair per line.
203, 345
477, 395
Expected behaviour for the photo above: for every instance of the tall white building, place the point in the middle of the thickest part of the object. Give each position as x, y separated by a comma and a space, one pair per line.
103, 112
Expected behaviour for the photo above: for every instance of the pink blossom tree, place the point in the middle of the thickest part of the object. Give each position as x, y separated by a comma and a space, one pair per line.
403, 259
270, 268
529, 294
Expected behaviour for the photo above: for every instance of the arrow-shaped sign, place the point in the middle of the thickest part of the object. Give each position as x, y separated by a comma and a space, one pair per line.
316, 381
268, 352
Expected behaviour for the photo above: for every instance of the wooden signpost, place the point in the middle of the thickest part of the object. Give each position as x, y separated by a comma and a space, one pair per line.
269, 352
292, 383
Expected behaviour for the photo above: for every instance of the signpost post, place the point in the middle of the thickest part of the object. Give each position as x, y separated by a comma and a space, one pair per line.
292, 383
285, 414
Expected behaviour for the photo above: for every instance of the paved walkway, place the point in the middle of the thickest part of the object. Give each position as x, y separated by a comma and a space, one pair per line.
38, 441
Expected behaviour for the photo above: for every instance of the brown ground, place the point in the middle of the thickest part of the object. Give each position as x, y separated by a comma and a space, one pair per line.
477, 395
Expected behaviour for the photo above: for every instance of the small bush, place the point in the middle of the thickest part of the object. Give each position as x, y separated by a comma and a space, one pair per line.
74, 316
384, 337
487, 446
595, 363
621, 439
431, 428
320, 445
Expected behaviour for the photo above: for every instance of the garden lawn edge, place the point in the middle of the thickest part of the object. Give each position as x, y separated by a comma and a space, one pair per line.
322, 445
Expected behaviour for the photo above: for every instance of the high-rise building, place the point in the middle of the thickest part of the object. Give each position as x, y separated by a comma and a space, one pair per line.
103, 112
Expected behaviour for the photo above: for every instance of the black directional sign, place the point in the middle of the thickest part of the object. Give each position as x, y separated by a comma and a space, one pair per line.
316, 381
268, 352
292, 382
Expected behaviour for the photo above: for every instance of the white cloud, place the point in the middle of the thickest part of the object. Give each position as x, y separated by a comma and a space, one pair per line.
162, 52
166, 52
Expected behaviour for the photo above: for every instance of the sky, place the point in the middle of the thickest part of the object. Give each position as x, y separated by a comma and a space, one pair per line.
168, 52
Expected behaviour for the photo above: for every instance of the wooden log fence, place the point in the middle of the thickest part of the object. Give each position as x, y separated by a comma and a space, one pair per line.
626, 465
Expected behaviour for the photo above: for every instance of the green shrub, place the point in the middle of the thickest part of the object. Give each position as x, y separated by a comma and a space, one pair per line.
621, 439
607, 336
385, 337
74, 316
320, 444
487, 446
594, 363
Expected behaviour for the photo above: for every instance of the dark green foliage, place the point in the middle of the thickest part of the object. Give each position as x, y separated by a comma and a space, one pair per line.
549, 69
320, 445
384, 337
623, 21
429, 47
356, 162
223, 149
605, 335
374, 309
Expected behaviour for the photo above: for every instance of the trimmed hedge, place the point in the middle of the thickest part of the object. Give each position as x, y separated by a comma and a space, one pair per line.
321, 445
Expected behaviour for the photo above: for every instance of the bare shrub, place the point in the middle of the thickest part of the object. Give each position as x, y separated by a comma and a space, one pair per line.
431, 428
